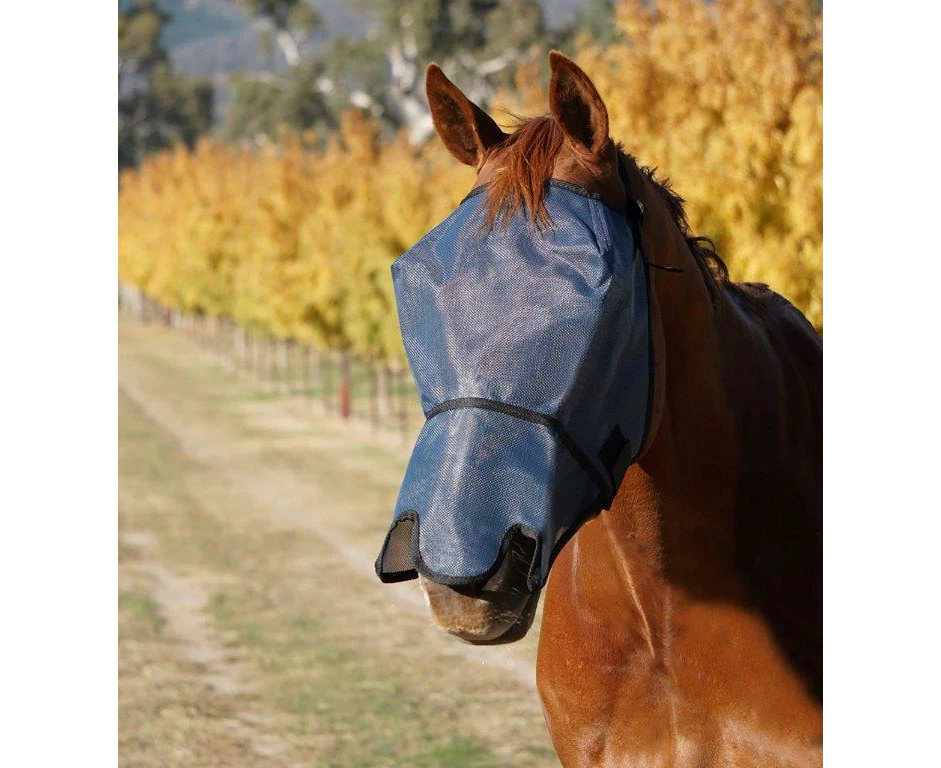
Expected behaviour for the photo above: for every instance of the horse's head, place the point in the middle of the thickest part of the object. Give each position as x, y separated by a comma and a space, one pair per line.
530, 332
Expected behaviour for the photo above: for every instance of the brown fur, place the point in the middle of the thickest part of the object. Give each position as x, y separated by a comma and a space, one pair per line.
683, 626
527, 157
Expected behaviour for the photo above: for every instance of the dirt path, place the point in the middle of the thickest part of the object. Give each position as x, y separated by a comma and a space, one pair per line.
253, 629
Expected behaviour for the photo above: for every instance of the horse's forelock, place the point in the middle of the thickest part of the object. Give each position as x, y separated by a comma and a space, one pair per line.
527, 158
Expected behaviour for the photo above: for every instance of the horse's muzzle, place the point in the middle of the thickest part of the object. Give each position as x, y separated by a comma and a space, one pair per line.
478, 480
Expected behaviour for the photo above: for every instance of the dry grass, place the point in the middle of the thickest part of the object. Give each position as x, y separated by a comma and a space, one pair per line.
252, 631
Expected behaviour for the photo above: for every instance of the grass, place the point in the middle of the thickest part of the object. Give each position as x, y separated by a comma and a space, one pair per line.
278, 374
232, 492
142, 611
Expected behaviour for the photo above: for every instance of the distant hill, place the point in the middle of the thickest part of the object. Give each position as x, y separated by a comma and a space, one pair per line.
214, 37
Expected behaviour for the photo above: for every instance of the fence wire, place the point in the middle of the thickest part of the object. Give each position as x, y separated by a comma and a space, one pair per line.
340, 385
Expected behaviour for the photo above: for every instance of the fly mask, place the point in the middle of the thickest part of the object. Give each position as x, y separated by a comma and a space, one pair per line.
530, 347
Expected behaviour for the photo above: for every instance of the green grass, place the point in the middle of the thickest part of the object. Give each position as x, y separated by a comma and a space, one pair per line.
142, 611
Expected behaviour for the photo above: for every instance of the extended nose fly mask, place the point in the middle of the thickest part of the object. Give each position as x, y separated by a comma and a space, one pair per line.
530, 348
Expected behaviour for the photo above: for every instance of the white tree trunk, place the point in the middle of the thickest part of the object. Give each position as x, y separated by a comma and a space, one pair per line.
288, 46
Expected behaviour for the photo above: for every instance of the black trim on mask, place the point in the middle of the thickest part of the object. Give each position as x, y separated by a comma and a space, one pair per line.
603, 481
411, 516
612, 448
634, 214
535, 579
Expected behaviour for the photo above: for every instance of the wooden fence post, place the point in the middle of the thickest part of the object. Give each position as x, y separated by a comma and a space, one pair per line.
307, 392
271, 350
372, 374
318, 376
329, 377
250, 353
291, 365
244, 356
344, 404
281, 366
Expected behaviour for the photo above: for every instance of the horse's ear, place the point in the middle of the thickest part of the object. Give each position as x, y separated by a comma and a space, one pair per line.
576, 105
466, 130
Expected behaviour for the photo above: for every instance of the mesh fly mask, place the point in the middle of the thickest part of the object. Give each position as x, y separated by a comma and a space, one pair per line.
531, 352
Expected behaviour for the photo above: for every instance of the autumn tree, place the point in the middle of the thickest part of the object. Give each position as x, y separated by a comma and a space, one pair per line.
725, 98
295, 238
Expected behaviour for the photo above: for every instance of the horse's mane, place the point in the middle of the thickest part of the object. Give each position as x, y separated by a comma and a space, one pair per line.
529, 155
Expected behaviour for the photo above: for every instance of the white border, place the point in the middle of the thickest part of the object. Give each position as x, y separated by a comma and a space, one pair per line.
57, 314
882, 309
881, 412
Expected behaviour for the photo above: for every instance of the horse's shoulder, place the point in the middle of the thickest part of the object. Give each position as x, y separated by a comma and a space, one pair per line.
781, 328
774, 360
762, 303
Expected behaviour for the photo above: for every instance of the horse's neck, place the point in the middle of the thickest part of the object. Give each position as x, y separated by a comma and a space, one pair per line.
671, 521
647, 604
690, 469
677, 512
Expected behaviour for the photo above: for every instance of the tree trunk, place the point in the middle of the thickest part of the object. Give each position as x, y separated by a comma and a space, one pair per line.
288, 46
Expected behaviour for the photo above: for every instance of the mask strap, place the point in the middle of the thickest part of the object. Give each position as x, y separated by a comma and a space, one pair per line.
664, 267
635, 216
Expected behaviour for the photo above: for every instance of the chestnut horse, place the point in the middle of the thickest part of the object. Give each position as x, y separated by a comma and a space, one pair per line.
682, 626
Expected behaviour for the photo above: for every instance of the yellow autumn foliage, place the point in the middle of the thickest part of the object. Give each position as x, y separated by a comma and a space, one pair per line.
724, 97
289, 240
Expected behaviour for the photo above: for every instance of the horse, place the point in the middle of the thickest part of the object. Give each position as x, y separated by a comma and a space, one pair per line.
682, 625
